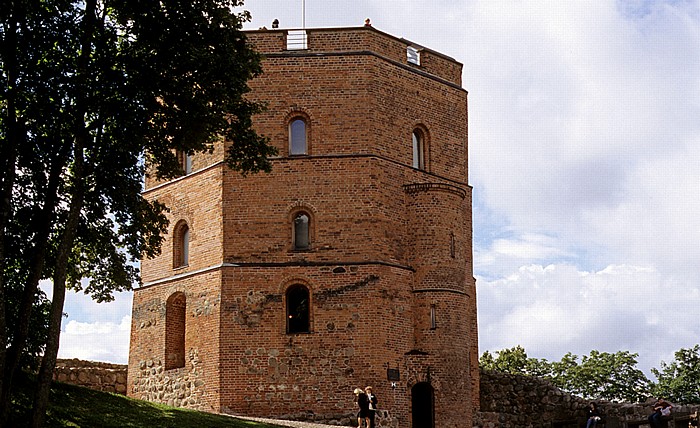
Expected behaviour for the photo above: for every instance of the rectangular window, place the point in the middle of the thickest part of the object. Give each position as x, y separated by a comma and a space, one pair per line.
297, 39
413, 55
188, 164
433, 322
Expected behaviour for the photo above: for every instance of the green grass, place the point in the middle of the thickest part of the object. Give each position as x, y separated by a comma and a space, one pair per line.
74, 406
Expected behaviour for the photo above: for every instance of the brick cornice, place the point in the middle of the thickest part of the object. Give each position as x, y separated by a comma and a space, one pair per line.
272, 265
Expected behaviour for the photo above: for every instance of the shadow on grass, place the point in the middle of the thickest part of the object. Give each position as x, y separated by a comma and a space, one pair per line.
74, 406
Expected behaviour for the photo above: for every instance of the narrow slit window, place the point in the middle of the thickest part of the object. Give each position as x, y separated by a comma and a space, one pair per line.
297, 137
181, 244
185, 162
418, 150
433, 321
185, 247
301, 231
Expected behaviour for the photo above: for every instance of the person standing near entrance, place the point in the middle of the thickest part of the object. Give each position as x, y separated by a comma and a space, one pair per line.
372, 399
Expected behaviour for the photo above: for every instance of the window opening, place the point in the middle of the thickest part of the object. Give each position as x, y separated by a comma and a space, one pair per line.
413, 55
185, 162
301, 231
418, 150
188, 164
298, 309
297, 137
433, 322
185, 247
181, 250
297, 39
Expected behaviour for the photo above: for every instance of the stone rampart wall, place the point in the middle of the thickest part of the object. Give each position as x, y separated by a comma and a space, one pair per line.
514, 401
94, 375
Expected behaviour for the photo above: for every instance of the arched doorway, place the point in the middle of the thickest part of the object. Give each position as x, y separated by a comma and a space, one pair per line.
422, 406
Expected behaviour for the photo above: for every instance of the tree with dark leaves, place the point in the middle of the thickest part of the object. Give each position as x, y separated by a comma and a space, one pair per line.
94, 95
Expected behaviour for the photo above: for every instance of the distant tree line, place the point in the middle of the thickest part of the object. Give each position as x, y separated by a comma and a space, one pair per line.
606, 376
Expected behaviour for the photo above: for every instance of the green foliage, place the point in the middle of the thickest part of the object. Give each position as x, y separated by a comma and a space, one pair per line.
120, 87
600, 375
679, 381
514, 361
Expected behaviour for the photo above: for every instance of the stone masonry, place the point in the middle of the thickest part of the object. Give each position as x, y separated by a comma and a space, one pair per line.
94, 375
516, 401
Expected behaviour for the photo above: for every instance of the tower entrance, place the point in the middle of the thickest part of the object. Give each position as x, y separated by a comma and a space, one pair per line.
423, 405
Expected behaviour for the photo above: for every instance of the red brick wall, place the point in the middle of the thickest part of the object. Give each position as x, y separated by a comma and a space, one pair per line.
196, 385
362, 39
382, 235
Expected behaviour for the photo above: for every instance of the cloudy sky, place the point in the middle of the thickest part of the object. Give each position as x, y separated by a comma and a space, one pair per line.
584, 123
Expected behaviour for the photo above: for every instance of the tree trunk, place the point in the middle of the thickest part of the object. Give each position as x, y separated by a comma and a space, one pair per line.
82, 137
20, 334
48, 363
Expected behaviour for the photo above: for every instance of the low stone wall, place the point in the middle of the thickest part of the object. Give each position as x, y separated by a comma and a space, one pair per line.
514, 401
507, 401
94, 375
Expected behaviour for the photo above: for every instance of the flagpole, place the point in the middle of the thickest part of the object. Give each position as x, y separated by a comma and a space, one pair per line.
303, 14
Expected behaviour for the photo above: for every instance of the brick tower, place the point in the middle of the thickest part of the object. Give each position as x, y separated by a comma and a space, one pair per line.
349, 265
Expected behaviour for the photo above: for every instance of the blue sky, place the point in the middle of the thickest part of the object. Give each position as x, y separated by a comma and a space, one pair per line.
584, 136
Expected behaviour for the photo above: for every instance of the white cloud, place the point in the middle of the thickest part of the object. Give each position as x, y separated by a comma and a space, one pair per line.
96, 341
94, 331
551, 310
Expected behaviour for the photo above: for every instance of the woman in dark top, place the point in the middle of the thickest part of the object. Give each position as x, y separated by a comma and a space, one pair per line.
593, 415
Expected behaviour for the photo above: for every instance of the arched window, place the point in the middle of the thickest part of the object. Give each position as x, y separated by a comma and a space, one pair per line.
418, 150
301, 231
181, 250
298, 319
297, 137
175, 310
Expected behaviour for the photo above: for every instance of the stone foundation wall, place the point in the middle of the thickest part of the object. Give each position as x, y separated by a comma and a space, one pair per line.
513, 401
181, 387
94, 375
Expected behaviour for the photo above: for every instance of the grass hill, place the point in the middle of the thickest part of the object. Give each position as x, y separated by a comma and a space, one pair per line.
75, 406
